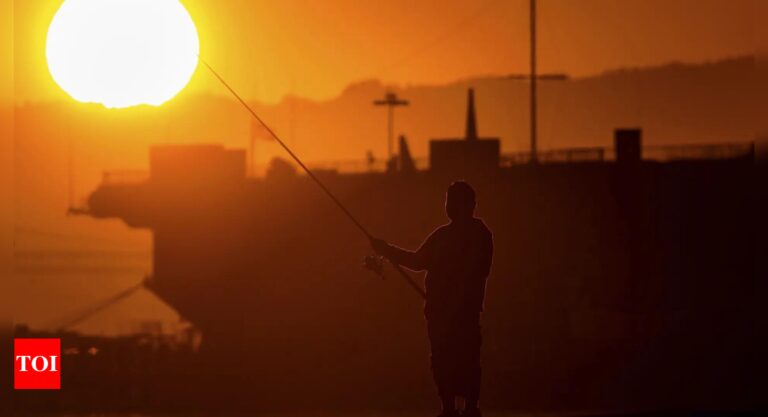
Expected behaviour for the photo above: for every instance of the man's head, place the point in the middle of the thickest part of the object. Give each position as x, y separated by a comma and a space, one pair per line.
460, 201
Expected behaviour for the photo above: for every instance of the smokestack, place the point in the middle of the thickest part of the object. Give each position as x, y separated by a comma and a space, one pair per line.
471, 133
628, 145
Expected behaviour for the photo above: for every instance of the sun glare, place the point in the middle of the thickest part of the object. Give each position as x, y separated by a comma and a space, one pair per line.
122, 53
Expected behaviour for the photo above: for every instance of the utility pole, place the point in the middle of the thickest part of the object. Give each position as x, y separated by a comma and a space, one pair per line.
391, 100
533, 77
534, 149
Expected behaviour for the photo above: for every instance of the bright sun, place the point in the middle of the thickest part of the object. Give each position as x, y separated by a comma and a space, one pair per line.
122, 53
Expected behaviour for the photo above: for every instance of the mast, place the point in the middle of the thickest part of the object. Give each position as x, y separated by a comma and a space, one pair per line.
534, 149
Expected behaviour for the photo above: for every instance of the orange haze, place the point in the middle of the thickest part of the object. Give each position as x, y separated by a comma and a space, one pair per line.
315, 48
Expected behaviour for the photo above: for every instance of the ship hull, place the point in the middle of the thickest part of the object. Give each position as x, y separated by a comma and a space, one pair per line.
611, 285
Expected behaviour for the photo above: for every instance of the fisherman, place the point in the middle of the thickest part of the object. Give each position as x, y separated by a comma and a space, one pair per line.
457, 257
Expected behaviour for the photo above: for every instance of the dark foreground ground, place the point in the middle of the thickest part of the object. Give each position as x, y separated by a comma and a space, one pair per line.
432, 414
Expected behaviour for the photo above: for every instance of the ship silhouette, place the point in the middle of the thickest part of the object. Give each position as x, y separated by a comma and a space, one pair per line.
621, 280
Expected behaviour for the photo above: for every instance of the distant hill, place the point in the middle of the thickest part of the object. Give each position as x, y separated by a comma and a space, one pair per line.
676, 103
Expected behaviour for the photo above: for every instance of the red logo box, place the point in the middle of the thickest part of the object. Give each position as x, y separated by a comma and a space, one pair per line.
37, 364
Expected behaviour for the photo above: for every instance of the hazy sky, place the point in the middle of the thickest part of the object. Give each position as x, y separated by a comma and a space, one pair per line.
268, 48
315, 48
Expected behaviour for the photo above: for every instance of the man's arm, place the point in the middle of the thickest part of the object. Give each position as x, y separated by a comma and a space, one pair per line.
485, 256
413, 260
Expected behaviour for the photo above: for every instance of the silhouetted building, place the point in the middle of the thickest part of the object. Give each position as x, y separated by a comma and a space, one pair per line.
629, 145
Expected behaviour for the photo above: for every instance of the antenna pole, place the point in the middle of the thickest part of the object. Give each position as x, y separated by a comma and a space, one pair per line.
534, 149
391, 100
328, 192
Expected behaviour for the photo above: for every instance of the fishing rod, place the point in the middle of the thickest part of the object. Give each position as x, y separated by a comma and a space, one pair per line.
328, 192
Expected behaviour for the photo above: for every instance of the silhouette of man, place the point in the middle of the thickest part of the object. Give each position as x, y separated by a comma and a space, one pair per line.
457, 257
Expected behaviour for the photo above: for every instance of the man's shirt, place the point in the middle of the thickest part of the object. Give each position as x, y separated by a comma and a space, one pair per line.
457, 257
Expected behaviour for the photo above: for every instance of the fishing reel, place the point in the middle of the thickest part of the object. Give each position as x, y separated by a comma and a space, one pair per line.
375, 264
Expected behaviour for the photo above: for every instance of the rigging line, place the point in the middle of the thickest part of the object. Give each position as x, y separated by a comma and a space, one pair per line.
327, 191
440, 38
101, 306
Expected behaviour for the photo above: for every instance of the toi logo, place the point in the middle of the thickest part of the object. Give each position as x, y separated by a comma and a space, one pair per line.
37, 364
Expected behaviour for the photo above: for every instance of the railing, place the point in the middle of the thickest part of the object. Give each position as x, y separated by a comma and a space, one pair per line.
664, 153
660, 153
709, 151
359, 166
594, 154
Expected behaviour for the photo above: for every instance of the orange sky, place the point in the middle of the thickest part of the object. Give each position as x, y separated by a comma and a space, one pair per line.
315, 48
269, 48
